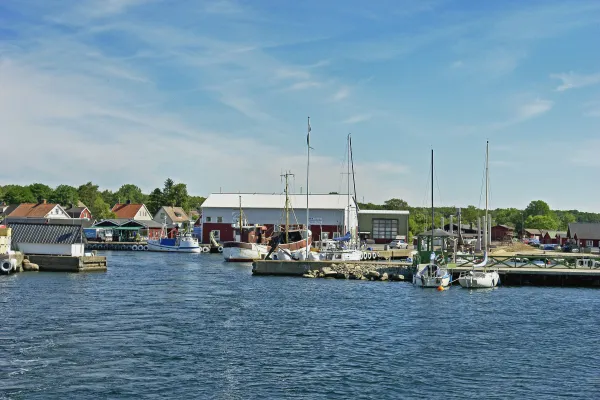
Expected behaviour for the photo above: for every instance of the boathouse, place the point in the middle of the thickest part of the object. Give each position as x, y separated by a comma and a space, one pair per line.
328, 213
48, 239
383, 226
502, 233
127, 230
584, 234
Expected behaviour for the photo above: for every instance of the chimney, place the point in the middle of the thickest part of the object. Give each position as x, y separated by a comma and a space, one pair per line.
43, 201
128, 202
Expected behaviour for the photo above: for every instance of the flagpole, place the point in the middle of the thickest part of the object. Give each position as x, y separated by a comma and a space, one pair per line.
307, 174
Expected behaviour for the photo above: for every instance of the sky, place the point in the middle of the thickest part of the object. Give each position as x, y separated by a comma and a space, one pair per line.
216, 94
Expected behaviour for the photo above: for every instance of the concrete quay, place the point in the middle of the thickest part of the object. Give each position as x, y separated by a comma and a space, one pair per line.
69, 263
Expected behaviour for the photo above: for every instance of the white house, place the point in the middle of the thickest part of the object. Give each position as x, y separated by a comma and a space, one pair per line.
136, 212
37, 210
171, 216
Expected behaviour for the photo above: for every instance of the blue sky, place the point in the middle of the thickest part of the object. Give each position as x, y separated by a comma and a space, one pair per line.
216, 94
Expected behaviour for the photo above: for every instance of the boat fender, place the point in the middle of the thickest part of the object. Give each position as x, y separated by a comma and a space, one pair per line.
134, 247
5, 267
362, 256
374, 256
377, 256
205, 249
220, 249
145, 247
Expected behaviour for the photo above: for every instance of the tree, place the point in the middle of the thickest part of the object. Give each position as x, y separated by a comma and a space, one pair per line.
168, 192
109, 197
546, 222
565, 218
88, 193
395, 204
507, 216
41, 192
155, 201
195, 202
537, 207
179, 196
64, 195
130, 192
470, 214
100, 209
15, 194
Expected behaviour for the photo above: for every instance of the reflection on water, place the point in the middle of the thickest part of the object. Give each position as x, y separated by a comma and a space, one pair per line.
190, 326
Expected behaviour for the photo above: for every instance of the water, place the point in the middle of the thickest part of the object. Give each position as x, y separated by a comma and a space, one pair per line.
190, 326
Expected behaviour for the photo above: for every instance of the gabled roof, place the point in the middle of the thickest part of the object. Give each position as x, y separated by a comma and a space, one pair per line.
84, 222
176, 214
504, 226
437, 233
46, 233
33, 210
127, 211
533, 231
276, 201
116, 222
584, 231
75, 212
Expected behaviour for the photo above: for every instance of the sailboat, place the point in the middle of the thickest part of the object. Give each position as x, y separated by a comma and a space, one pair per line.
482, 279
431, 275
251, 243
344, 248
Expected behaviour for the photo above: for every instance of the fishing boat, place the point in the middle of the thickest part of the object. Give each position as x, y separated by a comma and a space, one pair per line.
481, 279
179, 242
432, 274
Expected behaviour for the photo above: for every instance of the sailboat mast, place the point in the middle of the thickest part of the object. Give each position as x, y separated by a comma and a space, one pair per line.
287, 208
354, 193
241, 218
307, 174
487, 176
432, 211
348, 175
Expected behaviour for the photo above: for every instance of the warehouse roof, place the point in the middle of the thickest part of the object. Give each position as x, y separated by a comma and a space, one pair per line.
276, 201
48, 234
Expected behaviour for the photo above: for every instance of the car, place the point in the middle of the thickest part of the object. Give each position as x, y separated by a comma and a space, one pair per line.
398, 244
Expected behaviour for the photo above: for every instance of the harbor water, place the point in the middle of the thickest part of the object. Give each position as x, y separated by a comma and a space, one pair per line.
190, 326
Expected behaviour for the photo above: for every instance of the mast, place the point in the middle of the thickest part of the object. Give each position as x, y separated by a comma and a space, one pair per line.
241, 218
487, 176
432, 211
354, 197
287, 205
307, 174
348, 175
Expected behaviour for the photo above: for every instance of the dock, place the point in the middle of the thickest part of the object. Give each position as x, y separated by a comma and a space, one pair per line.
139, 246
69, 263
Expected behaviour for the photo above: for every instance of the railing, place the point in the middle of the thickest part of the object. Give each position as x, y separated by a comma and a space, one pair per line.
536, 261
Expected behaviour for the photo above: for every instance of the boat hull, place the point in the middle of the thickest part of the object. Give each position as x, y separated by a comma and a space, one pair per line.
247, 253
426, 279
155, 246
479, 279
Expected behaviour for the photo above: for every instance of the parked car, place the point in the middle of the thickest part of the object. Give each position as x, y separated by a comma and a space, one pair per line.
398, 244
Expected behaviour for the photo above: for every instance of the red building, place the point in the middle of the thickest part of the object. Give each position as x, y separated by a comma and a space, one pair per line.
502, 232
79, 212
585, 234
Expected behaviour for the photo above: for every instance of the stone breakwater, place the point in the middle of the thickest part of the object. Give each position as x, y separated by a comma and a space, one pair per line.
363, 270
353, 271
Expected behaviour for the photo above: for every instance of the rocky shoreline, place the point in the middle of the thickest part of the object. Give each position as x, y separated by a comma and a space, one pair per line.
361, 272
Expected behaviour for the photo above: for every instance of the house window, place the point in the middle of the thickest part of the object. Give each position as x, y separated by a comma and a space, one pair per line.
385, 228
162, 215
219, 219
208, 219
589, 243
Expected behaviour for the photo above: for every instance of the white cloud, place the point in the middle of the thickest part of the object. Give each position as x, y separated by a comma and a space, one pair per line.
304, 85
533, 109
341, 94
572, 80
357, 118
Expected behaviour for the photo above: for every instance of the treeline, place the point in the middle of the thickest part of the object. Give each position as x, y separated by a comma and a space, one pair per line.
537, 215
99, 201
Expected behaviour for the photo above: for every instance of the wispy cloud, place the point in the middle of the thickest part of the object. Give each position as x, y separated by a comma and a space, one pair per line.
533, 109
304, 85
572, 80
355, 119
341, 94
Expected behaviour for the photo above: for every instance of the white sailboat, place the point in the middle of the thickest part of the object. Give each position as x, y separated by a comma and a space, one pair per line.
474, 279
337, 249
431, 275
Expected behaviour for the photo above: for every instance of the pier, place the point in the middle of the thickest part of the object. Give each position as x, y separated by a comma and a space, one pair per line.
69, 263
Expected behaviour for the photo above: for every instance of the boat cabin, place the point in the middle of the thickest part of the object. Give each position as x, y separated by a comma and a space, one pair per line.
441, 244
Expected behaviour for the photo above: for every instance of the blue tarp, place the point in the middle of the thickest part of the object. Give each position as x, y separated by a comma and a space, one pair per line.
167, 242
90, 233
344, 238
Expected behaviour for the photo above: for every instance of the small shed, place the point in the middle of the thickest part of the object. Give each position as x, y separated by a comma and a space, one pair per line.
502, 232
48, 239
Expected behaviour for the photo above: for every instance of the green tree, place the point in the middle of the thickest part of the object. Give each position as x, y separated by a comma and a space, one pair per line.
109, 197
130, 192
64, 195
179, 195
16, 194
395, 204
168, 198
537, 207
195, 202
155, 201
88, 193
470, 214
546, 222
100, 209
565, 218
41, 192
